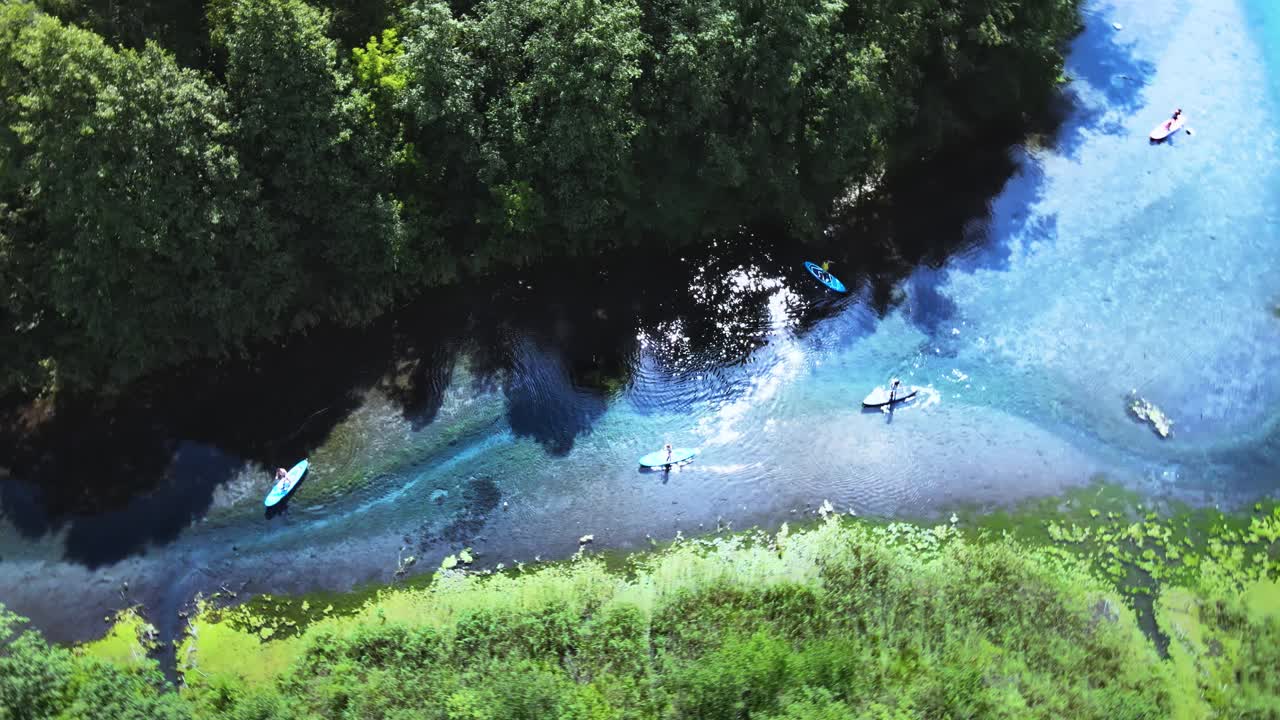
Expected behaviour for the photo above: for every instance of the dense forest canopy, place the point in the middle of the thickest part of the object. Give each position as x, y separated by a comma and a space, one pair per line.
180, 179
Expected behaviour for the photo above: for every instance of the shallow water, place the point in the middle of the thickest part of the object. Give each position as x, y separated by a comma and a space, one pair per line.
1103, 265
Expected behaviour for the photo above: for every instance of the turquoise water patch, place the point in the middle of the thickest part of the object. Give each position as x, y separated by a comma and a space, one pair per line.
1264, 25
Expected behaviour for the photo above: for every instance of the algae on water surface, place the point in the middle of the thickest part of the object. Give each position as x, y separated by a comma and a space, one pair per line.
1047, 582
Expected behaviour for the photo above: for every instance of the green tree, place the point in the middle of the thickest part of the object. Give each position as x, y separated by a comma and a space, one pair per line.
356, 21
34, 678
557, 82
379, 73
149, 214
41, 681
971, 64
131, 238
530, 105
440, 123
102, 691
756, 109
322, 166
177, 25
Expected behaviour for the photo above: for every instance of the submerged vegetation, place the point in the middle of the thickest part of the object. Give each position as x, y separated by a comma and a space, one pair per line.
1012, 617
181, 180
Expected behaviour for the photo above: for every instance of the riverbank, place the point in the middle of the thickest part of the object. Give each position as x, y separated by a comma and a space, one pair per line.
1092, 605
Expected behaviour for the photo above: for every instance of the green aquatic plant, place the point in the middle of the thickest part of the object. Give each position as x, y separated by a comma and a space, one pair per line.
858, 616
129, 642
1046, 611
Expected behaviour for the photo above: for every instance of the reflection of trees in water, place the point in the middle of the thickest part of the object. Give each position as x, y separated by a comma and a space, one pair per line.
942, 210
558, 339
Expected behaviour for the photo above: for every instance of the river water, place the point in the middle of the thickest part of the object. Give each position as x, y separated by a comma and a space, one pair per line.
1028, 300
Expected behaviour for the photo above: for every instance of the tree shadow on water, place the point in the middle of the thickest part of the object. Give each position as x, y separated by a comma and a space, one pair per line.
544, 403
133, 470
556, 350
558, 341
971, 208
124, 473
156, 518
423, 394
961, 209
1108, 78
1101, 57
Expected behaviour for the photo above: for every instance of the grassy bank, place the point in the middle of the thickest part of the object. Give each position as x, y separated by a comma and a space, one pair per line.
1020, 616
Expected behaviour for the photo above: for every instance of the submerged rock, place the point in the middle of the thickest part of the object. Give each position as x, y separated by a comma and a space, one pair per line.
1146, 412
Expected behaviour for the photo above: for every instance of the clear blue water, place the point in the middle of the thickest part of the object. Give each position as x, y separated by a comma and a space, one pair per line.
1104, 265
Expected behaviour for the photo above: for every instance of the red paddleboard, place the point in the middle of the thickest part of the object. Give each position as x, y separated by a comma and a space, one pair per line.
1168, 127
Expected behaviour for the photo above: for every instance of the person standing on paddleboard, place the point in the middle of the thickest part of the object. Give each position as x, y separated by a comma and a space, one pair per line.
826, 270
668, 449
1176, 114
281, 474
893, 390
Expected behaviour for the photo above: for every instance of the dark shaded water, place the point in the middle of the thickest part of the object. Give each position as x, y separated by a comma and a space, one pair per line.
1028, 289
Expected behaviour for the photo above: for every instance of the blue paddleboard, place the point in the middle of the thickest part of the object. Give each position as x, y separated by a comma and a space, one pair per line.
659, 458
825, 277
285, 486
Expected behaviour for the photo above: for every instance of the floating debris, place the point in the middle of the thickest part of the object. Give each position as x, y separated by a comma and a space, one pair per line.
465, 556
1148, 413
1117, 26
586, 539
